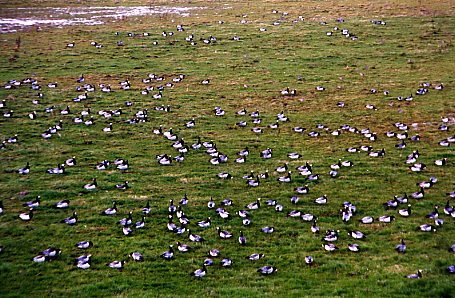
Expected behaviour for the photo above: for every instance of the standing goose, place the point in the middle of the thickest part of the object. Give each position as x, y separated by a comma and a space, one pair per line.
116, 264
34, 203
62, 204
194, 237
242, 239
223, 234
401, 248
405, 212
84, 244
255, 205
25, 170
267, 270
183, 247
91, 186
112, 210
146, 210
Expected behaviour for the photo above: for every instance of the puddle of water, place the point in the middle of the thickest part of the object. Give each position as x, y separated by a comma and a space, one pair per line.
13, 19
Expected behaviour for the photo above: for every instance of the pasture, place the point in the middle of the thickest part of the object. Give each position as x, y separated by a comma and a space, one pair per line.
355, 99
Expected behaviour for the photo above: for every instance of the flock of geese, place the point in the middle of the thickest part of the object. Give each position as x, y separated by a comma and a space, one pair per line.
177, 221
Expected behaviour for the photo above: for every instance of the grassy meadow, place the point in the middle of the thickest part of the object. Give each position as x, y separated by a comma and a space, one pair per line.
257, 54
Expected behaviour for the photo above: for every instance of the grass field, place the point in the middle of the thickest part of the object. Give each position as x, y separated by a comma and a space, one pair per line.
254, 55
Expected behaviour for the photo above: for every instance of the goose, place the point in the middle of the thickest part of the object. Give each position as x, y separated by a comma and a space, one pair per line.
367, 220
434, 214
108, 128
60, 169
51, 253
294, 155
294, 213
418, 194
254, 205
441, 162
312, 178
264, 175
223, 234
314, 228
25, 170
336, 166
242, 213
71, 162
211, 204
224, 175
418, 167
380, 153
321, 200
71, 220
392, 203
246, 221
267, 270
356, 234
110, 211
194, 237
226, 263
62, 204
448, 209
183, 247
40, 259
214, 252
127, 230
242, 239
302, 189
452, 248
123, 186
123, 166
299, 129
140, 224
415, 276
168, 255
286, 178
146, 210
84, 244
267, 153
26, 216
282, 169
354, 247
268, 230
438, 222
309, 260
170, 225
199, 273
331, 235
91, 186
295, 199
451, 269
116, 264
127, 220
329, 247
34, 203
255, 256
427, 228
403, 200
386, 218
307, 217
405, 212
1, 207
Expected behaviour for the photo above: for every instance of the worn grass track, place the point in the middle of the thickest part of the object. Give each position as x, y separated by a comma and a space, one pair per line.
416, 46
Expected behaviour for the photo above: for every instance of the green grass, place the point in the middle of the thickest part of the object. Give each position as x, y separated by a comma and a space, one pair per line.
415, 46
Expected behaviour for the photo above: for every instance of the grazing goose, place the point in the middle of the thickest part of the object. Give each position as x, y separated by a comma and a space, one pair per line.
246, 221
34, 203
367, 220
329, 247
71, 162
415, 276
354, 247
307, 217
194, 237
309, 260
302, 189
386, 218
255, 256
168, 255
40, 259
199, 273
268, 230
84, 244
71, 220
116, 264
214, 252
267, 270
356, 234
226, 263
331, 235
26, 216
